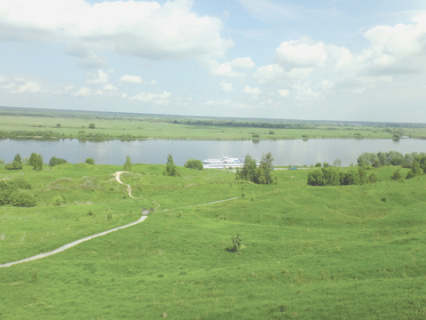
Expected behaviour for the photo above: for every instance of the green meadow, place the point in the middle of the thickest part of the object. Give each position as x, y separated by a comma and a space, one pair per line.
62, 124
347, 252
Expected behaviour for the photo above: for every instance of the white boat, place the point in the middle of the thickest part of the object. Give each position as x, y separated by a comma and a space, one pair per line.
223, 163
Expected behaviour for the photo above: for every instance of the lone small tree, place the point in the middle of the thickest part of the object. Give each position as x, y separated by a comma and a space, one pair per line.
90, 161
92, 126
16, 164
171, 169
128, 164
36, 160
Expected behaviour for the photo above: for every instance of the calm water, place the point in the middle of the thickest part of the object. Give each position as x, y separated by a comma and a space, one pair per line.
285, 152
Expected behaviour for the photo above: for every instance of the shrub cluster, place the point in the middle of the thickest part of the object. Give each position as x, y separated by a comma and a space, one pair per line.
56, 161
16, 193
194, 164
330, 176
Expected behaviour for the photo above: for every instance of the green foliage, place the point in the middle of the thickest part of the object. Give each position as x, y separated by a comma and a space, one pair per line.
16, 164
90, 161
397, 175
128, 164
248, 171
92, 126
237, 243
171, 169
259, 175
415, 170
263, 172
36, 160
324, 177
56, 161
59, 200
15, 192
22, 198
194, 164
337, 163
372, 178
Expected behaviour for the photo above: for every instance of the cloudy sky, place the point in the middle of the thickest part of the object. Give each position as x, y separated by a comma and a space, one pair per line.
306, 59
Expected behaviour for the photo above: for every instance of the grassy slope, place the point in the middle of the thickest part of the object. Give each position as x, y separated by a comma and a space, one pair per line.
311, 253
148, 128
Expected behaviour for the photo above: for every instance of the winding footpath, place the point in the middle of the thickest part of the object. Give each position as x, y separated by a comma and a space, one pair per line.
100, 234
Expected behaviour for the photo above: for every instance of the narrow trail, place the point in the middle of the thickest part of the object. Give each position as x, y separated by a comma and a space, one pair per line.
100, 234
129, 188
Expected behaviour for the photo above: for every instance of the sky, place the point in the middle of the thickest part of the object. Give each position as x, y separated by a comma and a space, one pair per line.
313, 60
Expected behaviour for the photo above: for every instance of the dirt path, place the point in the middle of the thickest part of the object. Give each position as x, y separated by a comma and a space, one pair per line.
100, 234
129, 188
77, 242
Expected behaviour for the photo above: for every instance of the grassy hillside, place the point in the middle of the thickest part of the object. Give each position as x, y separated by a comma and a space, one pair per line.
355, 252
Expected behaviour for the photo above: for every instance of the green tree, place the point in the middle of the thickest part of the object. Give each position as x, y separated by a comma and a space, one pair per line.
194, 164
56, 161
263, 172
16, 164
396, 175
337, 163
350, 177
248, 171
128, 164
415, 170
171, 169
36, 160
90, 161
324, 177
92, 126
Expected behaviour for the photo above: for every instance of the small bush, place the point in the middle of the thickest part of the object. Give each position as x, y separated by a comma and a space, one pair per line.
194, 164
22, 198
90, 161
56, 161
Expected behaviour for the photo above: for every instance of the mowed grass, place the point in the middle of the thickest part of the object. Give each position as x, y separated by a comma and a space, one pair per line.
354, 252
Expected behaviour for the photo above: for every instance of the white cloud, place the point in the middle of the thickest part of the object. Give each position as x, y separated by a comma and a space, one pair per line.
301, 53
243, 63
155, 98
226, 86
134, 80
139, 28
83, 92
130, 79
101, 77
284, 93
252, 91
222, 69
19, 85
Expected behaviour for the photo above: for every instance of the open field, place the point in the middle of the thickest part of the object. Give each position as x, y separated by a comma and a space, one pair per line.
54, 125
354, 252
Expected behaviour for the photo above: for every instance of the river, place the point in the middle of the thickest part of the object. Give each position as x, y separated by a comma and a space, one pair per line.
284, 152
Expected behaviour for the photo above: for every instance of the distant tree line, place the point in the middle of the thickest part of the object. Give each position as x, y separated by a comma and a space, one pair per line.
391, 158
331, 176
